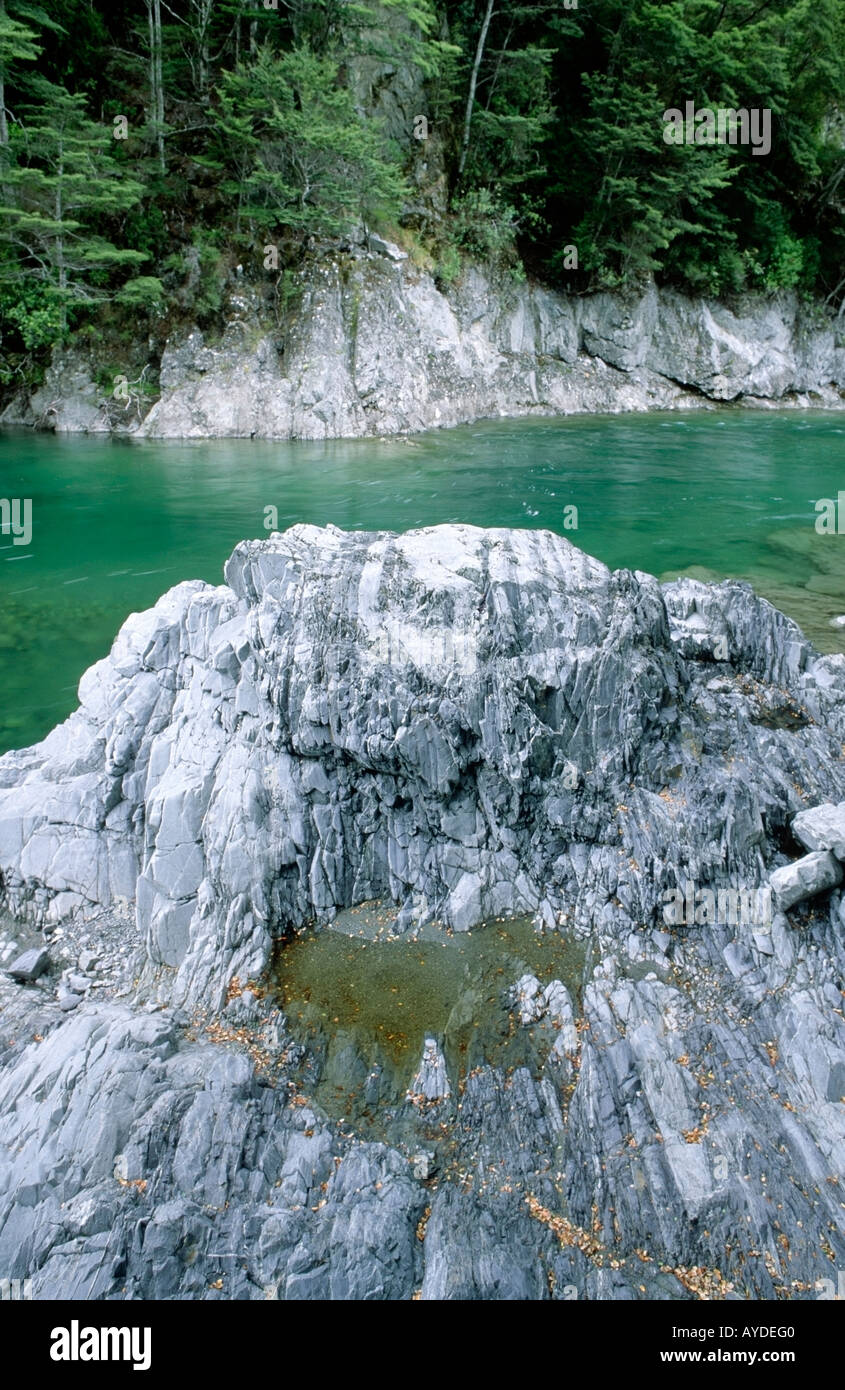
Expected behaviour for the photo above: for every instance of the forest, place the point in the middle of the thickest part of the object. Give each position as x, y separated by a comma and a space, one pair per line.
147, 150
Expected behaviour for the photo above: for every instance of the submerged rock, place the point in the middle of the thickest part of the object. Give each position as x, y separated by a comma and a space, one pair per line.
362, 716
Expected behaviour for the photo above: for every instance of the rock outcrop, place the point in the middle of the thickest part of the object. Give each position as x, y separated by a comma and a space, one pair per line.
375, 348
471, 724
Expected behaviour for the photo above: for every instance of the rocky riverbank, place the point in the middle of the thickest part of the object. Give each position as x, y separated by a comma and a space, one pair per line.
468, 725
376, 347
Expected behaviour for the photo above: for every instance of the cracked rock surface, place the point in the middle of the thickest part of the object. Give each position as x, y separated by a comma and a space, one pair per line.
468, 724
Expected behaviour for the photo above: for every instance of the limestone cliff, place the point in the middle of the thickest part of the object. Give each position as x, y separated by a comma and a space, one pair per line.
375, 347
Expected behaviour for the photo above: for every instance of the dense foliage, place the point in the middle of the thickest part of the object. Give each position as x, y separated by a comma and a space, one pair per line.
146, 149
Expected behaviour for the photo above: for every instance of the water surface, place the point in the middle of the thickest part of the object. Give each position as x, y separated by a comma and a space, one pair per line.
116, 522
364, 1005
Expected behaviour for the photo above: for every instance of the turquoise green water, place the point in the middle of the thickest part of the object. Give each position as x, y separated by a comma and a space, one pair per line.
115, 523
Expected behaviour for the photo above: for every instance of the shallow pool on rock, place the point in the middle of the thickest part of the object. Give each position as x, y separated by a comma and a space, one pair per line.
363, 1005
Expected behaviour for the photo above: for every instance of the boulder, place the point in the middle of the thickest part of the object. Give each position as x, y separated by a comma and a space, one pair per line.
30, 965
821, 828
360, 716
805, 878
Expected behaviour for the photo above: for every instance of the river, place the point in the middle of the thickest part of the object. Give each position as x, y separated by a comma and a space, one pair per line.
727, 492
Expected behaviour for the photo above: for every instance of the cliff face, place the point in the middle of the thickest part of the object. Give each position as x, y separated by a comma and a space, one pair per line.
376, 348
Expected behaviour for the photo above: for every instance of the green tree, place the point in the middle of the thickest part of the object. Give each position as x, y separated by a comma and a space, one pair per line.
507, 107
641, 203
17, 45
546, 121
713, 219
396, 31
304, 158
64, 183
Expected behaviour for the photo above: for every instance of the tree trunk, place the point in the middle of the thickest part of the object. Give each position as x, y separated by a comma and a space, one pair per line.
159, 83
202, 11
4, 127
473, 83
60, 240
156, 79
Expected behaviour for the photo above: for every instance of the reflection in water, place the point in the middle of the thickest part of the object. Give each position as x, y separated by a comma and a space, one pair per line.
364, 1006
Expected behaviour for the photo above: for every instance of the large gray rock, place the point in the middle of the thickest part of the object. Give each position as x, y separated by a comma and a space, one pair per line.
794, 883
69, 401
136, 1167
359, 716
377, 348
30, 965
311, 735
822, 827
